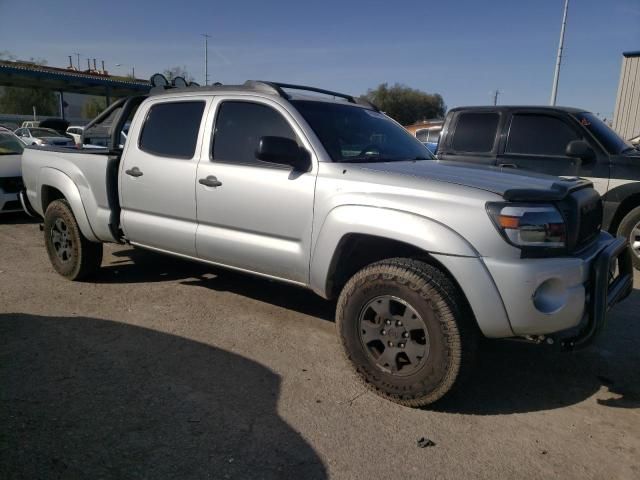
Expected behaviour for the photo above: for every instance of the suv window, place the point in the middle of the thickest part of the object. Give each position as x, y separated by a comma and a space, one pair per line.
475, 132
171, 129
532, 134
239, 127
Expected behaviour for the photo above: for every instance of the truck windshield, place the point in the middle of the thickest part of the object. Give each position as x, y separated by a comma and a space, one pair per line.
609, 139
354, 134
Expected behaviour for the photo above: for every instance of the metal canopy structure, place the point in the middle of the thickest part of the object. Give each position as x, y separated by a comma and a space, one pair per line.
90, 82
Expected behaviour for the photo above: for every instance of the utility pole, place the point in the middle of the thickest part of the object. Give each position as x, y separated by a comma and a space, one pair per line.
495, 96
556, 75
206, 57
78, 56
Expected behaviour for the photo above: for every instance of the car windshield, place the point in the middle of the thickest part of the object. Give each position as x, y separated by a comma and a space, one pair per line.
351, 133
44, 132
10, 145
610, 140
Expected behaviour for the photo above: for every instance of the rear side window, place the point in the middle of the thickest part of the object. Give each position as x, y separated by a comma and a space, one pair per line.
239, 127
171, 129
539, 135
475, 132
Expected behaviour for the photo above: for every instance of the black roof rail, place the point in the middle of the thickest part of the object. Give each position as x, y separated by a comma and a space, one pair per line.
279, 89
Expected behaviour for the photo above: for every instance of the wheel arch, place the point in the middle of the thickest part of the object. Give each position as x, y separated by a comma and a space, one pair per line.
55, 185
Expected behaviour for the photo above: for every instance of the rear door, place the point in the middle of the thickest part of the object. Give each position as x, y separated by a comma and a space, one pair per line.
474, 138
538, 141
260, 215
158, 174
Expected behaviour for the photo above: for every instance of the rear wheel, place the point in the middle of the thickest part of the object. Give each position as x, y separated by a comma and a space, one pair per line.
630, 229
406, 331
70, 253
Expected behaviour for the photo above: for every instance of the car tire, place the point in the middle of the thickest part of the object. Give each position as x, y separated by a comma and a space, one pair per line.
413, 302
71, 254
629, 228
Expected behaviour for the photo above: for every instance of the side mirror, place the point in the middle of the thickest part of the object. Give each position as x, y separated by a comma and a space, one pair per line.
582, 150
283, 151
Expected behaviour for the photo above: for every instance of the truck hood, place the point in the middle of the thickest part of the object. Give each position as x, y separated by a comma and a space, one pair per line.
511, 184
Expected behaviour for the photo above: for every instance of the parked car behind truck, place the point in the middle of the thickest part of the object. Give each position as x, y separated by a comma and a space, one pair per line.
334, 196
11, 149
557, 141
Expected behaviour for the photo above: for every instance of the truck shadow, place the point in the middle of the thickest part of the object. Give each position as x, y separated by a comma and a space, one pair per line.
17, 218
512, 377
90, 398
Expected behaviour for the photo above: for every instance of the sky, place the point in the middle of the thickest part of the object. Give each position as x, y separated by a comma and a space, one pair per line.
462, 49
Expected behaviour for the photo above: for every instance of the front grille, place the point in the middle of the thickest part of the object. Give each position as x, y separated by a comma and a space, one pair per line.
583, 213
11, 184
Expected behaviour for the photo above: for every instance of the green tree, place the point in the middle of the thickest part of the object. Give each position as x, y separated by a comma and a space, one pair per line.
173, 72
93, 107
406, 105
20, 101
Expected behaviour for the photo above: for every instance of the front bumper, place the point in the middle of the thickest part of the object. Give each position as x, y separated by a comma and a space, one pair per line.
546, 296
9, 202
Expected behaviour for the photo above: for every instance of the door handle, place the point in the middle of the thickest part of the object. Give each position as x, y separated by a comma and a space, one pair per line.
134, 172
210, 181
507, 165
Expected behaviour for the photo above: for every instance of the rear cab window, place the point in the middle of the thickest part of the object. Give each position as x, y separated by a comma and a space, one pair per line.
475, 132
171, 129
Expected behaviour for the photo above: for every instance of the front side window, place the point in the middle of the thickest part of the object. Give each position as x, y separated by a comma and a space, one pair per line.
239, 127
171, 129
607, 137
531, 134
351, 133
475, 132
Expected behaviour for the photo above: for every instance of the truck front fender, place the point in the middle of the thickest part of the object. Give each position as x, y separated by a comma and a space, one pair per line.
50, 177
421, 232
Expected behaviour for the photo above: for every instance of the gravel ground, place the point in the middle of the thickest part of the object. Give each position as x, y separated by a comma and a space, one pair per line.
160, 368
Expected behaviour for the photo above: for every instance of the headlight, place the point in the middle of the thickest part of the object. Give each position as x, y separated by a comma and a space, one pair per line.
529, 226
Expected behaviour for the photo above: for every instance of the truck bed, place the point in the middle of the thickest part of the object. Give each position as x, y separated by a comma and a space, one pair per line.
93, 173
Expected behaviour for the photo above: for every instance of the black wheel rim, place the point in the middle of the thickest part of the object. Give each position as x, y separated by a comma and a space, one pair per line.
634, 240
394, 335
61, 240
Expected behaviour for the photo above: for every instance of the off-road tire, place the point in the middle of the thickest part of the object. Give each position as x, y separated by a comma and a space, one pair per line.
625, 228
453, 333
84, 256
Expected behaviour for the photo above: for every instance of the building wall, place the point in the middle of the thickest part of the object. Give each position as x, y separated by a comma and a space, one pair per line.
626, 119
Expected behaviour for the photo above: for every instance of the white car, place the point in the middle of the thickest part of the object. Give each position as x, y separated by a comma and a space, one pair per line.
10, 171
76, 133
44, 136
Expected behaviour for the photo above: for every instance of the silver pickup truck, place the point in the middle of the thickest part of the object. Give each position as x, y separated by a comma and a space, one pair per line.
313, 188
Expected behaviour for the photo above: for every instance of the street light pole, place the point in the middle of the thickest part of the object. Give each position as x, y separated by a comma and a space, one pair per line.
78, 55
556, 75
206, 57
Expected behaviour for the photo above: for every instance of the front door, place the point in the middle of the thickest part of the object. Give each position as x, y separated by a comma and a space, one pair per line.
253, 215
158, 175
538, 141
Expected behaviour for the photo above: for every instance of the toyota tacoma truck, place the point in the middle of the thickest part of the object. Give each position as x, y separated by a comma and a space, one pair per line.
316, 189
556, 141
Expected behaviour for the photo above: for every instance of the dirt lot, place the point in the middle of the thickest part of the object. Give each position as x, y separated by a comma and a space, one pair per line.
160, 368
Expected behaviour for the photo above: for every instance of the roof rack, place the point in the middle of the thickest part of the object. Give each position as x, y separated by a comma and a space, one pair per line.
279, 88
161, 84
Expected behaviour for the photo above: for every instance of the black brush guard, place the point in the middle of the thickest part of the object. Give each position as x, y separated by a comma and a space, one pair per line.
604, 292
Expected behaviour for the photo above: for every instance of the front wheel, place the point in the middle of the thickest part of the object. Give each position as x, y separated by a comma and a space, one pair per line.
406, 331
70, 253
630, 229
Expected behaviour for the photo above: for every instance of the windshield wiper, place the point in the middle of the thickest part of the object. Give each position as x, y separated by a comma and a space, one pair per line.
369, 159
